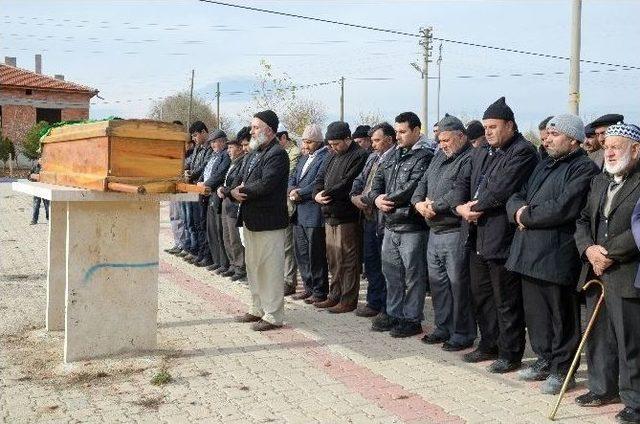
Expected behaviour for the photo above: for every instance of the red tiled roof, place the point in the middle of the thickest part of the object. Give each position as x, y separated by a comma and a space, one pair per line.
16, 77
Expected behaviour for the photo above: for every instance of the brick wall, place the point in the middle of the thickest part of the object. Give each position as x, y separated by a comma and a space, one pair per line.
75, 114
17, 119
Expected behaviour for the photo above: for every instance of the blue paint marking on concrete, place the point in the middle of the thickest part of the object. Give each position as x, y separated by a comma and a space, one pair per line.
93, 269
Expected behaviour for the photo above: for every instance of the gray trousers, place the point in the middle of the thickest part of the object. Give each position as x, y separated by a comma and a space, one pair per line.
290, 267
405, 268
613, 362
177, 224
448, 265
214, 236
232, 244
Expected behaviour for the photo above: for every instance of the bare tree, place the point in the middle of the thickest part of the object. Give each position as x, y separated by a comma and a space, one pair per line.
176, 107
370, 118
303, 112
276, 91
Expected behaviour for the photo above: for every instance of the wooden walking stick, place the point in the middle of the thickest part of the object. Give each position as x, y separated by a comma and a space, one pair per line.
572, 369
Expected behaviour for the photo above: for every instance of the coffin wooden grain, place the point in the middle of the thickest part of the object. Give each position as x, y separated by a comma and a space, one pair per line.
144, 155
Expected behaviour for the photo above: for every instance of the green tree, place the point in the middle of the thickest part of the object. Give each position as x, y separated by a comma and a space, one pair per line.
31, 142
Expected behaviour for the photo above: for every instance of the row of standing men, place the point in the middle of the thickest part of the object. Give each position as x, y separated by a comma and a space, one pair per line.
503, 233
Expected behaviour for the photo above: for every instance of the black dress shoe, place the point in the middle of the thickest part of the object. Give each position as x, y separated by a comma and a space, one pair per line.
456, 347
183, 254
501, 366
229, 273
213, 267
628, 415
480, 355
203, 263
592, 399
288, 290
221, 270
383, 322
434, 338
239, 277
406, 329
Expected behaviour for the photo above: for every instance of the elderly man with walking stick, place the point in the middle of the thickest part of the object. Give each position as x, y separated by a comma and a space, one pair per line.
606, 244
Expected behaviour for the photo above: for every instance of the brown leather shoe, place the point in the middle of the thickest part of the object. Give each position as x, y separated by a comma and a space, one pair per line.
326, 303
288, 291
341, 308
301, 296
366, 311
247, 318
313, 300
264, 326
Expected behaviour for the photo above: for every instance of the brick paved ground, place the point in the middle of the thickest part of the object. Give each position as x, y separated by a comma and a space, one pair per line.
319, 368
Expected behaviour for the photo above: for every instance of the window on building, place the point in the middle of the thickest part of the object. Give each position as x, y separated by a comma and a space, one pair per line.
50, 115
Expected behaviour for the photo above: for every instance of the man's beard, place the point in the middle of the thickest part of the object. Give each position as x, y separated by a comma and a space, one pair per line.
257, 141
619, 166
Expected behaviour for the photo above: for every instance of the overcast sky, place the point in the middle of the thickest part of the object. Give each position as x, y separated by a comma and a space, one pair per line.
135, 50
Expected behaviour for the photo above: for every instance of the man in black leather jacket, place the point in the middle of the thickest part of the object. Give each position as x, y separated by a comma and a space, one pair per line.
404, 262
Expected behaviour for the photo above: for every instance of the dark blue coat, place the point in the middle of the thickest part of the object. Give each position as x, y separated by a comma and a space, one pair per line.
308, 213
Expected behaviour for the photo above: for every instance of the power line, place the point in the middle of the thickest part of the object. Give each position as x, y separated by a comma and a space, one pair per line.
409, 34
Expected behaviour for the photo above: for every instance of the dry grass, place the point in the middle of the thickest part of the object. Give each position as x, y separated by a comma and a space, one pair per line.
150, 402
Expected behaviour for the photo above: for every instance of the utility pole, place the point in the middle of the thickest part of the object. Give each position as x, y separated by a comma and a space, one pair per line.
218, 104
439, 62
425, 42
574, 72
193, 72
342, 98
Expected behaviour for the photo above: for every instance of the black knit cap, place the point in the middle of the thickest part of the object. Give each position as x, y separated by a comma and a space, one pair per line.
361, 131
270, 118
589, 131
499, 110
606, 120
475, 129
337, 130
243, 134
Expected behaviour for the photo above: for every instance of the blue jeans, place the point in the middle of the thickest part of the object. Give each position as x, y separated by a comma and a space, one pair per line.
405, 269
448, 264
372, 255
191, 244
36, 208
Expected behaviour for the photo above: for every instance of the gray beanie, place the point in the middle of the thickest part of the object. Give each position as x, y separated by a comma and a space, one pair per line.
568, 124
450, 123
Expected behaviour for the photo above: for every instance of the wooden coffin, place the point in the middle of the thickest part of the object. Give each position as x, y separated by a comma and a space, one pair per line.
119, 155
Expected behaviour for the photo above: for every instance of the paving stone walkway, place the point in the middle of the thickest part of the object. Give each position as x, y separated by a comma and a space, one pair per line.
319, 368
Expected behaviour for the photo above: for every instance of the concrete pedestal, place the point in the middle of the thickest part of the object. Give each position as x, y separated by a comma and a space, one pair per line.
102, 282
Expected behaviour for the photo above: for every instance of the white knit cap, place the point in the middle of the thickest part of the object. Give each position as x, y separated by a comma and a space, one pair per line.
312, 132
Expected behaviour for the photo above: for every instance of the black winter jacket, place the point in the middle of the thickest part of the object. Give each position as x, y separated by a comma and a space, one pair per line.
491, 177
397, 177
264, 174
336, 178
554, 195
